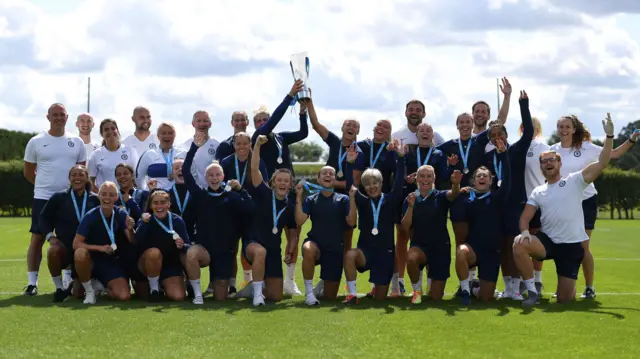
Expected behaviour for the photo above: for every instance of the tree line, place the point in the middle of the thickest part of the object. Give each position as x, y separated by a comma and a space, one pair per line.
618, 186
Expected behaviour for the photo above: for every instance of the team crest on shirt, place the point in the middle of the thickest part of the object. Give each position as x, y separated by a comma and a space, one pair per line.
152, 146
212, 151
563, 183
124, 156
577, 154
529, 154
70, 143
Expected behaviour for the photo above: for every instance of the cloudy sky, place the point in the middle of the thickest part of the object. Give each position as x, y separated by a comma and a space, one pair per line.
368, 57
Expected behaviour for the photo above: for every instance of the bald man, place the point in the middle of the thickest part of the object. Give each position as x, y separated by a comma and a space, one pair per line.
84, 123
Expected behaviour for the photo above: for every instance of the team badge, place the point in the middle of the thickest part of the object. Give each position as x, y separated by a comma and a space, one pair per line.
577, 154
152, 146
563, 183
212, 151
70, 143
124, 156
529, 154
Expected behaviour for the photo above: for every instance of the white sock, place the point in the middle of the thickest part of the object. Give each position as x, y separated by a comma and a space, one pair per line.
257, 288
472, 274
507, 283
395, 285
420, 279
417, 287
351, 285
197, 290
308, 286
67, 273
33, 278
515, 284
291, 271
87, 286
464, 284
154, 283
57, 282
531, 285
232, 282
537, 276
247, 275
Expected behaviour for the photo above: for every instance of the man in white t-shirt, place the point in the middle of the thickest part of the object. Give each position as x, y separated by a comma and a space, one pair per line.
206, 153
562, 232
415, 113
48, 158
85, 124
142, 139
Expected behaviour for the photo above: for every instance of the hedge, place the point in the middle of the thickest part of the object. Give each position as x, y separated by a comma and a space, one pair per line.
16, 196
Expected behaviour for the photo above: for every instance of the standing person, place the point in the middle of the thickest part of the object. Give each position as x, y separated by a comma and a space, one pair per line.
482, 111
577, 151
157, 163
101, 233
47, 158
103, 161
206, 154
425, 215
142, 139
562, 234
375, 251
482, 211
239, 122
533, 178
517, 153
62, 214
85, 124
276, 155
414, 112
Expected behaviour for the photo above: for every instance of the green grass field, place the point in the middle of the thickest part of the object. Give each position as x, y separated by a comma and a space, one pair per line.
605, 327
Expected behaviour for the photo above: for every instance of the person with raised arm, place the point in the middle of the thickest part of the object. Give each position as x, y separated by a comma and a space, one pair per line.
482, 112
375, 251
562, 234
206, 154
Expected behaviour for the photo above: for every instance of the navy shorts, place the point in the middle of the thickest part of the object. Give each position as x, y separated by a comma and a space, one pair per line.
221, 265
36, 209
129, 260
380, 264
567, 256
438, 260
590, 209
535, 221
511, 220
488, 263
331, 263
106, 269
272, 263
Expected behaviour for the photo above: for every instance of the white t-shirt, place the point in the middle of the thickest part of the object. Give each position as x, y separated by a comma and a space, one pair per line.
411, 138
152, 164
203, 158
150, 143
561, 206
574, 160
533, 176
102, 163
90, 147
54, 157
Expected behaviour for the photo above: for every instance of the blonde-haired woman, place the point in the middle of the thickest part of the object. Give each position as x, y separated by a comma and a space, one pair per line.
157, 163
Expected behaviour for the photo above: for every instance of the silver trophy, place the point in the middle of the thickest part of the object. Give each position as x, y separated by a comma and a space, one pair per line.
300, 70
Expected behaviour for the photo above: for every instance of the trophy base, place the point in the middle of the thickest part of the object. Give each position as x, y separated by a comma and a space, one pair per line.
304, 95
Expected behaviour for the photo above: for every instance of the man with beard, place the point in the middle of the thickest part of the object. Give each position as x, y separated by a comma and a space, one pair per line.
239, 122
84, 123
142, 139
47, 160
562, 232
482, 112
205, 153
415, 113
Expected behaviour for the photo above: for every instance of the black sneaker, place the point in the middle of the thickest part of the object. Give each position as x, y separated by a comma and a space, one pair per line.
589, 293
466, 297
31, 290
232, 292
458, 292
539, 288
154, 296
402, 289
60, 295
532, 299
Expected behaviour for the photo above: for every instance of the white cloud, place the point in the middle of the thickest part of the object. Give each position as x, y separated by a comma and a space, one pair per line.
368, 58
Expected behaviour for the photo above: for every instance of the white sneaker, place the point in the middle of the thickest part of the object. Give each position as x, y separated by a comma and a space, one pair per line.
497, 294
97, 286
318, 290
66, 282
89, 298
291, 289
505, 295
198, 300
517, 296
311, 299
258, 300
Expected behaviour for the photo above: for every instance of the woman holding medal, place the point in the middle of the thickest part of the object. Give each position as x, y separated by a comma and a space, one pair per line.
513, 207
103, 161
220, 210
100, 233
425, 216
261, 247
236, 167
162, 238
482, 210
375, 251
157, 163
181, 201
63, 213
